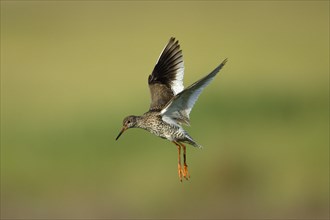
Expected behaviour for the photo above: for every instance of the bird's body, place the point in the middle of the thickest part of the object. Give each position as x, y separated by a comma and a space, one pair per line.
171, 104
152, 121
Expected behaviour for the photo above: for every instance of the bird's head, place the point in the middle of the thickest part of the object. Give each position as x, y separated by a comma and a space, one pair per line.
128, 122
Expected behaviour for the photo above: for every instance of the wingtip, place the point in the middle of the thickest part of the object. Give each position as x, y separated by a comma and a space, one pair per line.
172, 39
222, 64
224, 61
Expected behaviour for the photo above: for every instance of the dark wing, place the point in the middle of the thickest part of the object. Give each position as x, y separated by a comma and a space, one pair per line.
166, 80
178, 109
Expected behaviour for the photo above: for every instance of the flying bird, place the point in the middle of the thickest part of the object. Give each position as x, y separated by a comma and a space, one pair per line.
171, 104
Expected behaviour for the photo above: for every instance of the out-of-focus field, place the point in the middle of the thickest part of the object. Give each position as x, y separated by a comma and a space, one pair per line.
71, 71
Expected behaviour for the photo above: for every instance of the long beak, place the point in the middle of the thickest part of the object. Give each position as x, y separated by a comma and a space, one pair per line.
122, 131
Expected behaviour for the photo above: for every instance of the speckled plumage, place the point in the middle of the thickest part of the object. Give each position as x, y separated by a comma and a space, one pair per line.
152, 122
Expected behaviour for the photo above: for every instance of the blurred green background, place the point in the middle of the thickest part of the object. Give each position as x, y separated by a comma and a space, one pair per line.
72, 70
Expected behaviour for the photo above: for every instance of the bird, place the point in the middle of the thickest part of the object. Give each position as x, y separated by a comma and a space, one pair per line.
171, 104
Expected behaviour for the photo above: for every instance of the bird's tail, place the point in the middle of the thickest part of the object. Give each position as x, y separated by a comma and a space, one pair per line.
191, 141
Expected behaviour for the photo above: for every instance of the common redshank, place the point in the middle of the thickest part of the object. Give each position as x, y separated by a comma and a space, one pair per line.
171, 104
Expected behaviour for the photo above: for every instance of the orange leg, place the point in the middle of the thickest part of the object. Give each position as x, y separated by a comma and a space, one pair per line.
180, 171
185, 166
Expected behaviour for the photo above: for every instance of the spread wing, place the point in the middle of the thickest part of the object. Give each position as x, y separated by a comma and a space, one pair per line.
178, 109
166, 80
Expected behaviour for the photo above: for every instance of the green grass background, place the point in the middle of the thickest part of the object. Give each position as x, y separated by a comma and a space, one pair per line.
72, 70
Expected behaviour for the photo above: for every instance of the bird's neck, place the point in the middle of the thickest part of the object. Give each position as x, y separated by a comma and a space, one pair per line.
142, 122
139, 122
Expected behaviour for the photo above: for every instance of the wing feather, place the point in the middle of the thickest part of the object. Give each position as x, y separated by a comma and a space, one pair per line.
179, 107
166, 79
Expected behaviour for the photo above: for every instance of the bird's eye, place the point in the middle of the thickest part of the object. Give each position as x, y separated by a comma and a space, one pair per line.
128, 121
